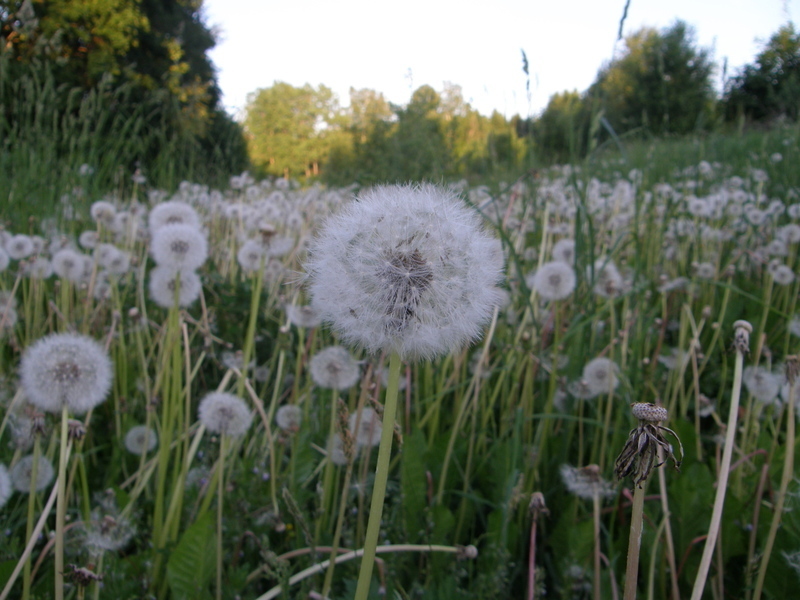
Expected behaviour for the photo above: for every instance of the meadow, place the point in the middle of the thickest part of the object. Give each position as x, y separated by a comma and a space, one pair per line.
623, 276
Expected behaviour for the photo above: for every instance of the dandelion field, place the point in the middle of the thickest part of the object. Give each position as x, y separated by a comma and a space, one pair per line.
236, 448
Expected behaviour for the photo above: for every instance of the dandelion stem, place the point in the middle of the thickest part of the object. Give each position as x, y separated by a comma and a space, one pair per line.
634, 541
61, 509
223, 443
381, 476
724, 470
786, 477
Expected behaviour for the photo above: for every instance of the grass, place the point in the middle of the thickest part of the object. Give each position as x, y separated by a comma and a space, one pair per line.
482, 430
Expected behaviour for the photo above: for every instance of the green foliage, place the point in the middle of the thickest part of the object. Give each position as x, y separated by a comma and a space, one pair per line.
661, 83
769, 87
192, 563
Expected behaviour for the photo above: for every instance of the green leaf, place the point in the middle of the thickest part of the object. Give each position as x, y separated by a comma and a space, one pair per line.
193, 562
413, 483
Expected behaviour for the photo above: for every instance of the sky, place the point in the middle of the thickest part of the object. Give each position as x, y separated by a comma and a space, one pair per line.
396, 47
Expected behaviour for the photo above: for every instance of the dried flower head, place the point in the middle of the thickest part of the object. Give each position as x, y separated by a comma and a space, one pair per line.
334, 368
640, 453
407, 269
225, 413
22, 474
141, 439
66, 369
741, 336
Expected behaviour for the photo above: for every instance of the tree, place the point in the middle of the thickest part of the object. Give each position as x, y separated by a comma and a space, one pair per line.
662, 82
560, 131
770, 87
290, 130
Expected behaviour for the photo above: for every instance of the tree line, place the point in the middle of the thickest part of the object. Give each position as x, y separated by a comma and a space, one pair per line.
660, 84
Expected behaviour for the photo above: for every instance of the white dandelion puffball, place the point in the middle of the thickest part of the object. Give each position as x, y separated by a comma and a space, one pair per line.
172, 212
369, 428
5, 485
179, 247
600, 376
141, 439
334, 368
408, 269
554, 281
163, 281
22, 473
225, 413
66, 369
288, 417
69, 264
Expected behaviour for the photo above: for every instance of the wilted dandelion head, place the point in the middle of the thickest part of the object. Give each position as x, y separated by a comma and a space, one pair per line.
554, 280
69, 264
600, 376
225, 413
22, 473
179, 246
288, 417
408, 269
66, 369
334, 368
173, 212
763, 385
366, 427
5, 485
163, 284
586, 482
303, 316
141, 439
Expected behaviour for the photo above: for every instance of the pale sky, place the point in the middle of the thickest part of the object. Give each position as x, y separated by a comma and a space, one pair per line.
396, 47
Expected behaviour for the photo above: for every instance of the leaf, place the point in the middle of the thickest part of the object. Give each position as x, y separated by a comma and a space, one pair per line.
414, 484
193, 562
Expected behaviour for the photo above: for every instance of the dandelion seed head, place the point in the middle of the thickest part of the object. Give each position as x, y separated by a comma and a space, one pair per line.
334, 368
225, 413
22, 473
250, 255
368, 432
103, 212
173, 212
163, 282
5, 485
586, 482
66, 369
303, 316
141, 439
600, 376
19, 246
554, 281
179, 246
288, 417
763, 385
564, 251
69, 264
408, 269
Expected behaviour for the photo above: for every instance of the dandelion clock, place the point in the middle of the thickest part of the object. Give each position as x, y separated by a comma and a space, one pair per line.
410, 271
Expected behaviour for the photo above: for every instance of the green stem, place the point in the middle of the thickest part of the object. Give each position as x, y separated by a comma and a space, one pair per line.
220, 492
61, 509
722, 483
381, 476
634, 542
786, 477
